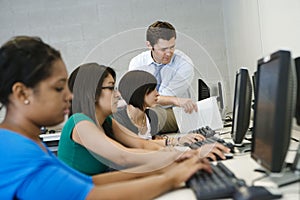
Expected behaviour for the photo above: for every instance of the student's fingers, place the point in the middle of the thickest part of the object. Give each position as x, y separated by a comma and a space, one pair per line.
186, 139
210, 155
191, 138
213, 151
206, 165
184, 170
210, 150
186, 155
222, 148
219, 153
198, 137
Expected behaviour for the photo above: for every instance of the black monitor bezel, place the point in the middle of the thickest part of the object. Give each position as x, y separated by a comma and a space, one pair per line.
297, 109
203, 90
241, 106
283, 114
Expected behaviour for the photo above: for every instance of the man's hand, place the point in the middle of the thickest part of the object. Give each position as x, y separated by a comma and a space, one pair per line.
187, 104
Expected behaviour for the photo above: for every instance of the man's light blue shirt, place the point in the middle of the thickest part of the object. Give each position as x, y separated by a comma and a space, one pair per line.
176, 76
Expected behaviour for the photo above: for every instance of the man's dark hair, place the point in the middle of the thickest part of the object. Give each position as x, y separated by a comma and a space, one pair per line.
160, 30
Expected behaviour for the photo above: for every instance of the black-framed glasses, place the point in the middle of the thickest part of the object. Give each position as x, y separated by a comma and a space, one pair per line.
111, 88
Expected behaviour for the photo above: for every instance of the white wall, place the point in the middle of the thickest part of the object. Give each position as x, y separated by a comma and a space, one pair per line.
243, 40
254, 29
280, 26
113, 31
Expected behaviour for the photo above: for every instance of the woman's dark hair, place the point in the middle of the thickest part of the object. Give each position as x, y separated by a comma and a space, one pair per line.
138, 96
160, 30
27, 60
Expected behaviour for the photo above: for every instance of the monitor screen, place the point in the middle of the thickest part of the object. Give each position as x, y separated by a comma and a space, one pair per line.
241, 106
203, 90
274, 110
297, 113
220, 97
254, 77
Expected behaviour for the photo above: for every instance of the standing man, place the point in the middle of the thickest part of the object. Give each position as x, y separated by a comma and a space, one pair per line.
173, 70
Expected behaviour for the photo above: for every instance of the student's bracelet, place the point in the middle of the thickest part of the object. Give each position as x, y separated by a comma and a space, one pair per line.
169, 141
166, 142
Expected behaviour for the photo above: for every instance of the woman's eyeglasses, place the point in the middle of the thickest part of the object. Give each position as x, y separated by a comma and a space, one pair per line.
111, 88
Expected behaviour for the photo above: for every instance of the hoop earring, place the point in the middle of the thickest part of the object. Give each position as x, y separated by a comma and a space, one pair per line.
26, 101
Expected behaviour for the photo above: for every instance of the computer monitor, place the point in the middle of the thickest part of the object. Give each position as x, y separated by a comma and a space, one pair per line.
220, 97
274, 110
297, 112
254, 78
241, 106
203, 90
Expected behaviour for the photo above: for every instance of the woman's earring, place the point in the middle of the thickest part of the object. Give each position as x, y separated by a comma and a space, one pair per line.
26, 101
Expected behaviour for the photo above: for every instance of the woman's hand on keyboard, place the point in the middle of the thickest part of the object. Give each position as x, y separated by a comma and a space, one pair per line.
182, 171
190, 138
213, 151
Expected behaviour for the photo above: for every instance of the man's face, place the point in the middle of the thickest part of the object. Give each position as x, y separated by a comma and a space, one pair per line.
163, 50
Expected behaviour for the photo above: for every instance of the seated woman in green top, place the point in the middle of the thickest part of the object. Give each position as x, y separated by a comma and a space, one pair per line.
90, 136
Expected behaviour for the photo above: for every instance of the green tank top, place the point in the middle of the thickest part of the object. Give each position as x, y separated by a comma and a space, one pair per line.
76, 155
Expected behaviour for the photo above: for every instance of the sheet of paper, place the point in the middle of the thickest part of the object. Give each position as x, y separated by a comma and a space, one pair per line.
208, 115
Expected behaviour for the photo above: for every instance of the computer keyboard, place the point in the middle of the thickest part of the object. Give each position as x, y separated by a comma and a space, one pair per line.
222, 183
211, 137
205, 131
210, 140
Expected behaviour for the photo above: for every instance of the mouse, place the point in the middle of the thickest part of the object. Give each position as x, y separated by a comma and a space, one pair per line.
257, 193
227, 155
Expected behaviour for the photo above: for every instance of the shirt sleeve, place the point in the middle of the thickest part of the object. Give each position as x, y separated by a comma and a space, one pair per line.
53, 182
133, 64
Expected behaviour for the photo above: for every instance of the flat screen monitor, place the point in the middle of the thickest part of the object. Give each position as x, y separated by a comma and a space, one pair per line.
241, 106
297, 112
254, 78
274, 110
203, 90
220, 97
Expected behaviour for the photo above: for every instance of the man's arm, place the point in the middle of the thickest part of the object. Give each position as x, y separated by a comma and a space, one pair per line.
188, 104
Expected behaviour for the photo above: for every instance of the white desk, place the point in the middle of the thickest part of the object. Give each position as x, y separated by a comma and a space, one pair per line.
243, 166
51, 140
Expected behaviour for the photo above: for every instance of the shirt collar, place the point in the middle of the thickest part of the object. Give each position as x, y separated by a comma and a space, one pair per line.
149, 59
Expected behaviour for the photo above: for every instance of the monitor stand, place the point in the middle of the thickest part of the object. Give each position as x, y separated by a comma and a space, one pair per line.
288, 175
284, 178
243, 148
